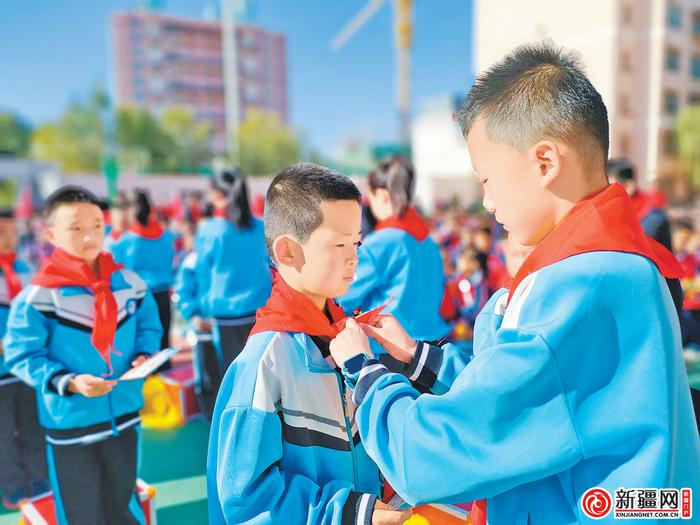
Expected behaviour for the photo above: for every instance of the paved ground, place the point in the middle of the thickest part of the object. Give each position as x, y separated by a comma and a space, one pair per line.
174, 461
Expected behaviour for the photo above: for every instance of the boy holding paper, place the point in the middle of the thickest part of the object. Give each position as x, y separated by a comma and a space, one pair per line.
72, 333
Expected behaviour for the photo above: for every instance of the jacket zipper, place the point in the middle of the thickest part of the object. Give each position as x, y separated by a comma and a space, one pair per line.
348, 429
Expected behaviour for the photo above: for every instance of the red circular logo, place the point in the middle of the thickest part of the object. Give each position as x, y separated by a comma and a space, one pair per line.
596, 503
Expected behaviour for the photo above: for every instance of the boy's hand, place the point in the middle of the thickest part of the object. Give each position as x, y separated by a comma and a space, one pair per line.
349, 342
384, 515
140, 359
389, 333
90, 386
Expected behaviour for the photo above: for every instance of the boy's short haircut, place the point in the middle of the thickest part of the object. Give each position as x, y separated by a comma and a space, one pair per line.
68, 195
294, 198
7, 213
538, 92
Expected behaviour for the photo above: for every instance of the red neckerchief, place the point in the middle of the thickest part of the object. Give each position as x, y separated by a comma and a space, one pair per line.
689, 264
221, 213
63, 269
603, 222
115, 235
478, 512
410, 222
153, 230
288, 310
12, 280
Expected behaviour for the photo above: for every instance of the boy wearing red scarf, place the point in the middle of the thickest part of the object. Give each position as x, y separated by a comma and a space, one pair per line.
22, 458
576, 389
284, 446
72, 333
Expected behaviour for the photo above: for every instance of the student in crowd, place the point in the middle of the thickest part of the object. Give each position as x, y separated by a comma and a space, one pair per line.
82, 323
23, 471
400, 264
149, 250
283, 446
228, 277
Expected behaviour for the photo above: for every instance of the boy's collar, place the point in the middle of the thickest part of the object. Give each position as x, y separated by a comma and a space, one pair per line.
288, 310
313, 358
604, 221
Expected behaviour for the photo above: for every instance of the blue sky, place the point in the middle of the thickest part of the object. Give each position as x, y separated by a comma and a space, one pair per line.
52, 50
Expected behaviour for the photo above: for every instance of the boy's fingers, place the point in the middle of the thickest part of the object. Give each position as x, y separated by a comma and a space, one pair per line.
379, 321
379, 504
370, 331
389, 517
351, 324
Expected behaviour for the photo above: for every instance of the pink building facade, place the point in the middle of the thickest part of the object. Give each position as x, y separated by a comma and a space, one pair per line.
163, 61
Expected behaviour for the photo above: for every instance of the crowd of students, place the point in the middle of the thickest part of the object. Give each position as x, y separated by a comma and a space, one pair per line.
494, 355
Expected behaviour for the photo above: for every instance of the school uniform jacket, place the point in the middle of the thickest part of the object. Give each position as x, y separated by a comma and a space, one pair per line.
48, 341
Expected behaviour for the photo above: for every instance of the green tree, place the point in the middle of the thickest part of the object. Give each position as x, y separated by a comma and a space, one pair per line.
191, 139
264, 145
76, 140
143, 142
15, 134
688, 140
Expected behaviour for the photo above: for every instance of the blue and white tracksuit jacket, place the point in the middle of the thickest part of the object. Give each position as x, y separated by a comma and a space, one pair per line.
284, 446
48, 341
152, 259
232, 271
24, 272
578, 383
394, 265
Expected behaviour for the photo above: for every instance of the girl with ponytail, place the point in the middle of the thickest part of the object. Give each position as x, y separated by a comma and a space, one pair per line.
228, 276
149, 250
398, 261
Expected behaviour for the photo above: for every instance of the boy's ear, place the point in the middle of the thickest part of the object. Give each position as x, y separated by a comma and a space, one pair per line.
288, 252
547, 157
48, 234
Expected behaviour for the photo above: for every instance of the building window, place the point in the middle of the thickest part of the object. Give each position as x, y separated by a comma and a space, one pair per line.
248, 41
155, 55
153, 30
671, 102
674, 17
625, 106
250, 65
626, 14
624, 146
251, 93
673, 59
695, 66
669, 143
626, 61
